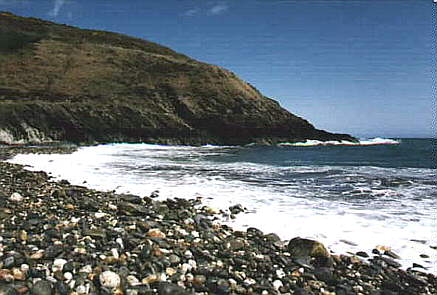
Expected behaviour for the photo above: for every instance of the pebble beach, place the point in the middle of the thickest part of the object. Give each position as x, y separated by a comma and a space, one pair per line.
58, 238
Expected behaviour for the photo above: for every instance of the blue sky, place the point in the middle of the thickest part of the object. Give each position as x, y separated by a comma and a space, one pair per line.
365, 67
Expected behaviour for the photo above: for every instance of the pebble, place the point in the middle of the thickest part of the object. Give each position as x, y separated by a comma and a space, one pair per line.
277, 284
114, 253
8, 290
199, 280
109, 279
132, 280
87, 269
42, 287
280, 273
236, 209
362, 254
70, 207
416, 265
9, 262
24, 267
119, 241
150, 279
81, 289
18, 274
391, 254
16, 197
58, 264
188, 254
149, 247
174, 259
80, 250
156, 233
99, 215
232, 283
170, 271
6, 275
166, 288
249, 281
68, 276
391, 262
382, 248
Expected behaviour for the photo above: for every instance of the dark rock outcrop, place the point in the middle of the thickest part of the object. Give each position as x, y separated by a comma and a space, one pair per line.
302, 248
60, 83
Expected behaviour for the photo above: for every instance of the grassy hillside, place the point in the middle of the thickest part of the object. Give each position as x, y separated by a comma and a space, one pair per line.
63, 83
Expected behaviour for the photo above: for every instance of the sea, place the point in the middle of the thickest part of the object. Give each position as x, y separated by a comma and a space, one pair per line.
351, 197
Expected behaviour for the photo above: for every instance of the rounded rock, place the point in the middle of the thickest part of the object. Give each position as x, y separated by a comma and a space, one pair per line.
16, 197
155, 233
86, 269
18, 274
174, 259
81, 289
362, 254
109, 279
61, 288
42, 287
166, 288
6, 275
8, 290
68, 276
299, 247
132, 280
58, 264
277, 284
199, 280
9, 262
150, 279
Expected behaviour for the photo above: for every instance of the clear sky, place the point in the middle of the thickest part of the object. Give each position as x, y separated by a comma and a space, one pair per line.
364, 67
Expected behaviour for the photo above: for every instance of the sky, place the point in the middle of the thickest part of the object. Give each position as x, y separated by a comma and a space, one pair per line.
363, 67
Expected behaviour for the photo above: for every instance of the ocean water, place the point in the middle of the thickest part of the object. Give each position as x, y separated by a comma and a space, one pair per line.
350, 197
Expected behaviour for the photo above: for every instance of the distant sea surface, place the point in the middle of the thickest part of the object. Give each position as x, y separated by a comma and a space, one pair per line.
350, 197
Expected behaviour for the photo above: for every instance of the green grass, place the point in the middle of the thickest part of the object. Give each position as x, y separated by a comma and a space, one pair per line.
11, 42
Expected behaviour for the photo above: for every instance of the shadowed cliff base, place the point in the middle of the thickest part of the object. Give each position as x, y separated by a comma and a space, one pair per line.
60, 83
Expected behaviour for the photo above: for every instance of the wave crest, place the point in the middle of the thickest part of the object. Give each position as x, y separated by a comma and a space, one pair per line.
362, 142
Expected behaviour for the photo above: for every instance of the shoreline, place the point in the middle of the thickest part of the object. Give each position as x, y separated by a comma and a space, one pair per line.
109, 243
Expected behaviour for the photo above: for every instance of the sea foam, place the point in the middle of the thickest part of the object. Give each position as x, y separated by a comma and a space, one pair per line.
361, 142
349, 208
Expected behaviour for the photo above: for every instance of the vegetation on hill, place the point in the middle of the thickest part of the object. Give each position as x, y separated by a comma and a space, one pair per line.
60, 83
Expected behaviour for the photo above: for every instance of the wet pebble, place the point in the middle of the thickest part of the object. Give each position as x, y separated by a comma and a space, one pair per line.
362, 254
391, 254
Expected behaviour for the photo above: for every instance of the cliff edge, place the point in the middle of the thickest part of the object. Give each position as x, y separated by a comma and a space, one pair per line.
61, 83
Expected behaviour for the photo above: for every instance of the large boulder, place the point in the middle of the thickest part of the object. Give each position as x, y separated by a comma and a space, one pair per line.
304, 248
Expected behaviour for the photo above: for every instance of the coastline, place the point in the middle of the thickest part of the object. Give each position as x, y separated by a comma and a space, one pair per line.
108, 243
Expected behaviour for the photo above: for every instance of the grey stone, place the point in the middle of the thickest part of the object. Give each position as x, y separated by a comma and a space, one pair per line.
42, 287
165, 288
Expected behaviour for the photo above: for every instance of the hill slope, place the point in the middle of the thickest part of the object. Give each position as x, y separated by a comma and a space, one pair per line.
60, 83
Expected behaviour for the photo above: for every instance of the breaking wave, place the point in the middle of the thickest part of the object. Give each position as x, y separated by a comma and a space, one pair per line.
362, 142
364, 196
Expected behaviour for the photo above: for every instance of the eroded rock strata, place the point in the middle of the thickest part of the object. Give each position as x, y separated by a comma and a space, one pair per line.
57, 238
60, 83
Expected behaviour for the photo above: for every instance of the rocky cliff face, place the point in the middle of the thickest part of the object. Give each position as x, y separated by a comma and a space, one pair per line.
60, 83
